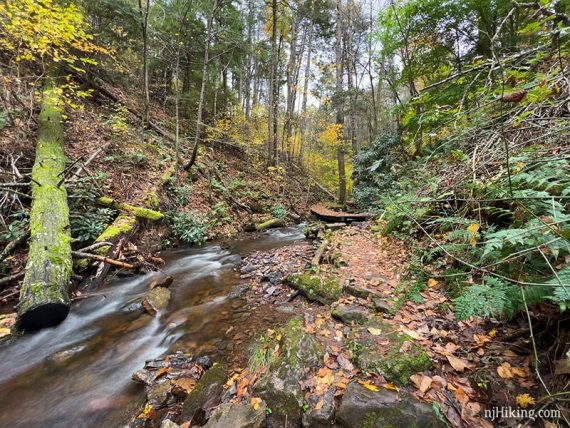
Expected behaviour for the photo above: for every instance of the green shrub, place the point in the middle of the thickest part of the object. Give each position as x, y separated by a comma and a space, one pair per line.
278, 211
88, 226
189, 228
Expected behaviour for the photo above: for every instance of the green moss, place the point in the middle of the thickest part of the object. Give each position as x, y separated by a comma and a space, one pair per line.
136, 211
49, 263
396, 366
152, 201
122, 224
215, 376
324, 291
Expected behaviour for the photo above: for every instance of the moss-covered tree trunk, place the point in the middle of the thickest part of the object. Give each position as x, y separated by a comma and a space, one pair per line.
44, 300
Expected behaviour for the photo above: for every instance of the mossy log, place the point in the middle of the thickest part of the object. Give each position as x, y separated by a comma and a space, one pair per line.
139, 212
269, 224
44, 300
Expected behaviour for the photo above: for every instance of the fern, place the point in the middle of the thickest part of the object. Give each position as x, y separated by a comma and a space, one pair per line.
486, 300
561, 283
497, 298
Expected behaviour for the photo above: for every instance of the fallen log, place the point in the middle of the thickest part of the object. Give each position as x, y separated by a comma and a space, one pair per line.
139, 212
269, 224
44, 300
316, 261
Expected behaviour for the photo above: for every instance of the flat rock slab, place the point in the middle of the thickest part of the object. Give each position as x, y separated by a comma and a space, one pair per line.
349, 314
237, 415
361, 407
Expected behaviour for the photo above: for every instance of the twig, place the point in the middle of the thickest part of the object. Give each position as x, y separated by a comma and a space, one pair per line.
103, 259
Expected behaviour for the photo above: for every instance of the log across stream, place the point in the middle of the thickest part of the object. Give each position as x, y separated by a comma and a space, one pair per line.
78, 374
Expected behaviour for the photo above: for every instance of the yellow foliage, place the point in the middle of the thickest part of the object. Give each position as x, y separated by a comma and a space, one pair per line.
34, 30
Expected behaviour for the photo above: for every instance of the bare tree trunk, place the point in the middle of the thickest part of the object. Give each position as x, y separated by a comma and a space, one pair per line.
202, 87
273, 90
144, 11
306, 77
372, 89
291, 88
340, 104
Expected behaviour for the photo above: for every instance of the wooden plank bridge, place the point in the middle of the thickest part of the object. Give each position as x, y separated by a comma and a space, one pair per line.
328, 215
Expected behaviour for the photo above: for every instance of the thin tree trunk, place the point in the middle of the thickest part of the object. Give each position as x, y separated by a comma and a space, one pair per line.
202, 88
339, 105
44, 301
144, 11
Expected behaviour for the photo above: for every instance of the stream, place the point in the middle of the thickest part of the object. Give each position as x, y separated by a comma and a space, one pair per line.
78, 374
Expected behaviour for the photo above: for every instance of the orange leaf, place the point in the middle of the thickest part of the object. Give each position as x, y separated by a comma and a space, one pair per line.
504, 371
458, 364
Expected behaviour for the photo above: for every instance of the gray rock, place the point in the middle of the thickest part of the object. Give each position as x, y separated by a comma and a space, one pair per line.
238, 291
237, 415
363, 293
157, 394
156, 300
361, 407
280, 386
323, 417
205, 396
381, 305
351, 313
167, 423
247, 269
163, 281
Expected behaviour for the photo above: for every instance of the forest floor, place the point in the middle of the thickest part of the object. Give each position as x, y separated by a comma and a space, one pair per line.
474, 365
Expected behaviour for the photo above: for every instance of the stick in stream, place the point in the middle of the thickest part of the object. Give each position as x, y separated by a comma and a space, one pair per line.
103, 259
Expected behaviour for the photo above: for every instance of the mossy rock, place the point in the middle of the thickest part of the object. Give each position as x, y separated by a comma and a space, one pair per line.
396, 366
279, 387
205, 395
363, 408
325, 291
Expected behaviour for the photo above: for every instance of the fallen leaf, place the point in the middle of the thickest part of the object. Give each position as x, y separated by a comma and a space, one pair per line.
319, 405
458, 364
391, 386
374, 331
432, 282
525, 400
368, 385
504, 371
255, 402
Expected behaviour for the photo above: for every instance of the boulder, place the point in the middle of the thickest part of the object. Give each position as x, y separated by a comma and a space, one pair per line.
403, 359
205, 396
325, 291
237, 415
361, 407
156, 300
320, 415
349, 314
279, 387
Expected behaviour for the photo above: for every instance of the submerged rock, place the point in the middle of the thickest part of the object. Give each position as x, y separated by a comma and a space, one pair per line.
237, 415
325, 291
363, 408
280, 387
156, 300
351, 313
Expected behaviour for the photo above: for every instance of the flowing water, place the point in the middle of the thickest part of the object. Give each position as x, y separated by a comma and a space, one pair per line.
78, 374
